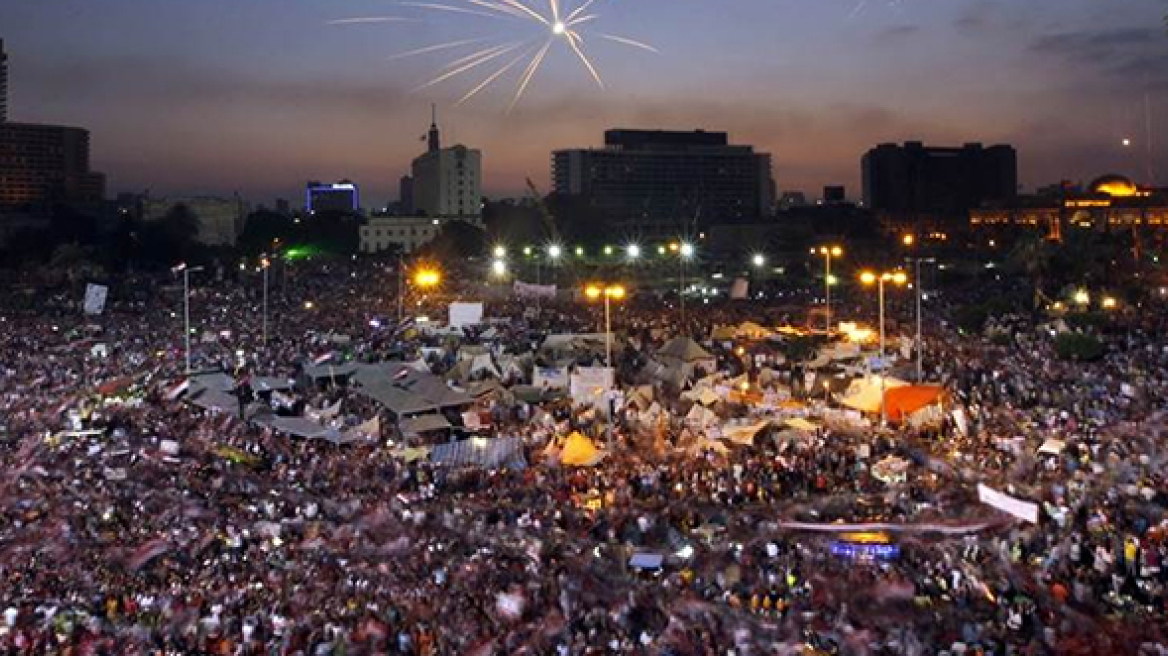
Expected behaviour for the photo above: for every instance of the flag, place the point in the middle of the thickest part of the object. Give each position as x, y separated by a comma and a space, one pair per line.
321, 359
178, 268
147, 552
178, 390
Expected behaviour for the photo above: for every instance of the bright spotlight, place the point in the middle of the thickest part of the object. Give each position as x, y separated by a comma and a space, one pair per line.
687, 250
559, 28
634, 251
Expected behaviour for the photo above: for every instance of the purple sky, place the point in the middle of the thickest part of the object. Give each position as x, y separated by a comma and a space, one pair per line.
211, 96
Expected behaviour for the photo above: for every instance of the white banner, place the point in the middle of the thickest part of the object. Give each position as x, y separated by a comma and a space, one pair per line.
95, 298
525, 290
550, 378
589, 385
1023, 510
465, 314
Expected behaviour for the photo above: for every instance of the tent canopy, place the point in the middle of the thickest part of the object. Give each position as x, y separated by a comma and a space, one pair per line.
901, 402
684, 349
579, 451
865, 394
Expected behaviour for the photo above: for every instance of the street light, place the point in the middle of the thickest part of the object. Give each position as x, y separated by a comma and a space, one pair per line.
555, 251
1110, 303
499, 268
919, 345
869, 278
186, 271
827, 252
266, 264
759, 260
609, 293
427, 278
633, 251
500, 252
1082, 297
685, 252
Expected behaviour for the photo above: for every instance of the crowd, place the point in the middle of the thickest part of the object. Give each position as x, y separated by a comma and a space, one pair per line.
132, 522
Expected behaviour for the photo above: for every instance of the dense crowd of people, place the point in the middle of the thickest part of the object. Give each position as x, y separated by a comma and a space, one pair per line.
133, 522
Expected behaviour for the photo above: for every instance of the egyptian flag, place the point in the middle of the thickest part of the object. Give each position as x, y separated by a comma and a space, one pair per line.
178, 390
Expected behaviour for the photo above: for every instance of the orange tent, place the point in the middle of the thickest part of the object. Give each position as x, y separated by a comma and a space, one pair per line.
900, 402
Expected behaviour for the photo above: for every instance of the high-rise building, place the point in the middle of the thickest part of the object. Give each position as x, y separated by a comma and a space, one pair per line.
655, 180
447, 182
45, 164
41, 165
405, 195
3, 83
940, 182
835, 195
343, 196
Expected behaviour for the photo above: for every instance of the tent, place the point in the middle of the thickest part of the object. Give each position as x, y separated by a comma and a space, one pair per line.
743, 433
902, 402
579, 451
684, 349
865, 394
423, 424
480, 452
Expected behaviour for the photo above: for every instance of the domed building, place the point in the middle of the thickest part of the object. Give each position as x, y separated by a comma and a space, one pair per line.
1110, 202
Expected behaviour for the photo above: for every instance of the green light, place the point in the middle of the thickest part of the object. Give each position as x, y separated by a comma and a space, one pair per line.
608, 250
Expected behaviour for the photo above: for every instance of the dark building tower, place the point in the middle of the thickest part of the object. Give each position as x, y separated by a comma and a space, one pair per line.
405, 195
655, 181
939, 182
41, 165
3, 83
434, 140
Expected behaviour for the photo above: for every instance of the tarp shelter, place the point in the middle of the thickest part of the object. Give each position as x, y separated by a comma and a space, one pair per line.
590, 385
326, 371
579, 451
310, 430
902, 402
743, 433
405, 391
271, 383
685, 350
423, 424
1052, 447
865, 394
480, 452
646, 561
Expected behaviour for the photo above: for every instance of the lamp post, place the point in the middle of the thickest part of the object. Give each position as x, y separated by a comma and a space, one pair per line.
869, 278
186, 271
919, 343
608, 293
827, 252
266, 264
685, 252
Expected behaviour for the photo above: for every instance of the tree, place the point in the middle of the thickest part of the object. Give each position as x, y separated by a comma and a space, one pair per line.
458, 240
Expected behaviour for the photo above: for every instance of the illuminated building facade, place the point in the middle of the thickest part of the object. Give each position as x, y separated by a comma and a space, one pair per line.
1111, 202
42, 165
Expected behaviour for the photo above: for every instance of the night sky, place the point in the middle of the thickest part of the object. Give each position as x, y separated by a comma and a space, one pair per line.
211, 96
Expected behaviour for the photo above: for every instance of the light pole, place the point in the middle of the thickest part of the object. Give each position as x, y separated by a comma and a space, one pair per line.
827, 252
920, 344
266, 264
186, 271
609, 293
869, 278
685, 252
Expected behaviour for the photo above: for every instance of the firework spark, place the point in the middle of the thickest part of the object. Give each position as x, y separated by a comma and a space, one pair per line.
558, 23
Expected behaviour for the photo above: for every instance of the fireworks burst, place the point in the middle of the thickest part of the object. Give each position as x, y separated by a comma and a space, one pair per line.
558, 24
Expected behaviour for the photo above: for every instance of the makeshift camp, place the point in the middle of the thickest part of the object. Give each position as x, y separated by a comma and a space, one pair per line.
504, 452
743, 432
902, 402
405, 391
422, 424
579, 451
310, 430
686, 355
865, 394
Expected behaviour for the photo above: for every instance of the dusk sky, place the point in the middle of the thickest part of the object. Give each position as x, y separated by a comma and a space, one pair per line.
212, 96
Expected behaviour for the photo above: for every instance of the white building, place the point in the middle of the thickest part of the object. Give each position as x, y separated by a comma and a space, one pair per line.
448, 182
408, 232
221, 220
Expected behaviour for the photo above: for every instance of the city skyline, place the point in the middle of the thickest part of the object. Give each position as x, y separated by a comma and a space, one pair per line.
262, 96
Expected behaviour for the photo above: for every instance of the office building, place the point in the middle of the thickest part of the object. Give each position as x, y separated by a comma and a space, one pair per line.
405, 195
937, 183
657, 181
43, 165
221, 220
341, 197
835, 195
3, 83
790, 199
447, 182
408, 233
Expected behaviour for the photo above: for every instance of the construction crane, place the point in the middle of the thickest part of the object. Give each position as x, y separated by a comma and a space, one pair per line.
549, 221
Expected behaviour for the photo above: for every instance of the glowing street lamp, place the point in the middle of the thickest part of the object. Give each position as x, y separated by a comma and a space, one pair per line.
896, 278
499, 268
633, 251
427, 278
759, 260
579, 251
555, 251
1109, 303
500, 252
608, 293
685, 251
908, 240
1082, 297
827, 252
